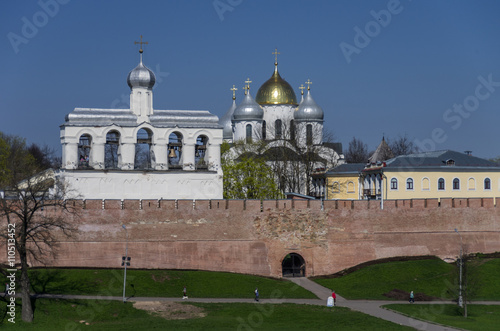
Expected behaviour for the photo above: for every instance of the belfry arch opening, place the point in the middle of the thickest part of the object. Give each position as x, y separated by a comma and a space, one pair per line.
143, 151
293, 265
111, 150
175, 150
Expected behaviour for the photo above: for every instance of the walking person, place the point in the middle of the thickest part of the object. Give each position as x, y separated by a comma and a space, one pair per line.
412, 297
6, 290
184, 293
334, 296
256, 294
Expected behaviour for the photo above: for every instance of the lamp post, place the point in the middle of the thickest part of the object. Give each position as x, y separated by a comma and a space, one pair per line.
460, 298
125, 262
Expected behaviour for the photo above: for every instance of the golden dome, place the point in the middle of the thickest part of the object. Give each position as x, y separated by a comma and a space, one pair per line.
276, 91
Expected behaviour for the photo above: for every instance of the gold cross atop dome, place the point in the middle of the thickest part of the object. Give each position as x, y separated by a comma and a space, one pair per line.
140, 43
248, 81
302, 87
308, 84
234, 89
275, 53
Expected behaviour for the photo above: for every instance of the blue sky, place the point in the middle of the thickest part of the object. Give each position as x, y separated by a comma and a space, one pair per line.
428, 69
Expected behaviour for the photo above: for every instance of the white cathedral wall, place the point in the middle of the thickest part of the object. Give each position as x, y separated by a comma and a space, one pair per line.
301, 132
143, 185
275, 112
240, 128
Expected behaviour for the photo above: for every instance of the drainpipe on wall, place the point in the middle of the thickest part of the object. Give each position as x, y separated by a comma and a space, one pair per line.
382, 190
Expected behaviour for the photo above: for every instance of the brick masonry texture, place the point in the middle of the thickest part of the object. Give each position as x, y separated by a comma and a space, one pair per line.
250, 236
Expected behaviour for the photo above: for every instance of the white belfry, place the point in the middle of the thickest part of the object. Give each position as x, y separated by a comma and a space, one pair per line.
142, 153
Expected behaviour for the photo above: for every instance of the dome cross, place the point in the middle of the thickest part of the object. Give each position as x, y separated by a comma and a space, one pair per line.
275, 53
302, 87
234, 89
248, 81
308, 84
140, 43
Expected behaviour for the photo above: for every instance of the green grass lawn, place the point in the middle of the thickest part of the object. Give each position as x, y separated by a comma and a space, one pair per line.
114, 315
479, 317
433, 277
161, 283
487, 277
426, 276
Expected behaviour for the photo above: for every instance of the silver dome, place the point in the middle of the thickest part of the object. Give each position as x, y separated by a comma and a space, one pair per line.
248, 109
226, 123
141, 76
308, 110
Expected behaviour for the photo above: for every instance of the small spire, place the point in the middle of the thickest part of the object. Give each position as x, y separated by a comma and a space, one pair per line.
234, 89
141, 43
308, 84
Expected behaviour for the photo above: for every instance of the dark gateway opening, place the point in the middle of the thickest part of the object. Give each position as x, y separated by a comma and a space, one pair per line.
293, 265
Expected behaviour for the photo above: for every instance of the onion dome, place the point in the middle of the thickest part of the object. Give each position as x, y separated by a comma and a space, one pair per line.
276, 91
308, 110
248, 109
141, 76
226, 120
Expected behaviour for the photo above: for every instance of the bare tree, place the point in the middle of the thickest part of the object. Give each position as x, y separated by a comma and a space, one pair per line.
402, 145
33, 211
357, 151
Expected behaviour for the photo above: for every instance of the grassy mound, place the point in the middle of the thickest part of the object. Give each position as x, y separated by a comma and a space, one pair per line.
430, 277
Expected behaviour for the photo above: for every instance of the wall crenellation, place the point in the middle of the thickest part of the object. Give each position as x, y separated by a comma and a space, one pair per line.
284, 204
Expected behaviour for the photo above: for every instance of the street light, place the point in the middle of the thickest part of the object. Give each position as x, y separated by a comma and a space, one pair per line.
460, 299
125, 262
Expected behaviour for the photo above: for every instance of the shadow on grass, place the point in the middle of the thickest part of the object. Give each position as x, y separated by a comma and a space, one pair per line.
53, 281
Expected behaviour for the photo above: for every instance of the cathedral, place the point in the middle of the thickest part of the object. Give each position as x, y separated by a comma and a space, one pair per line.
291, 131
141, 152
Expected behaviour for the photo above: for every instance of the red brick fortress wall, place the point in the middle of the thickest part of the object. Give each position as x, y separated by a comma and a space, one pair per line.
250, 236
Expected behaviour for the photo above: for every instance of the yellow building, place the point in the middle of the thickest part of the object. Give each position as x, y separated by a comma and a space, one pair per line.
437, 174
342, 182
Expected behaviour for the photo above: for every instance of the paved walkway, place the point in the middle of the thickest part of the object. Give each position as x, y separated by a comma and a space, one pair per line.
373, 307
370, 307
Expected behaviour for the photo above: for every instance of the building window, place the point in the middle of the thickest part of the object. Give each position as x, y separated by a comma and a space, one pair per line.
278, 129
335, 187
441, 184
456, 184
350, 187
309, 134
487, 184
249, 133
450, 162
394, 184
472, 184
409, 184
292, 130
264, 128
426, 184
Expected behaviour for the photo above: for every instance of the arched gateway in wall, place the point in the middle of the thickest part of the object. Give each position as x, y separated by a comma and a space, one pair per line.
293, 265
